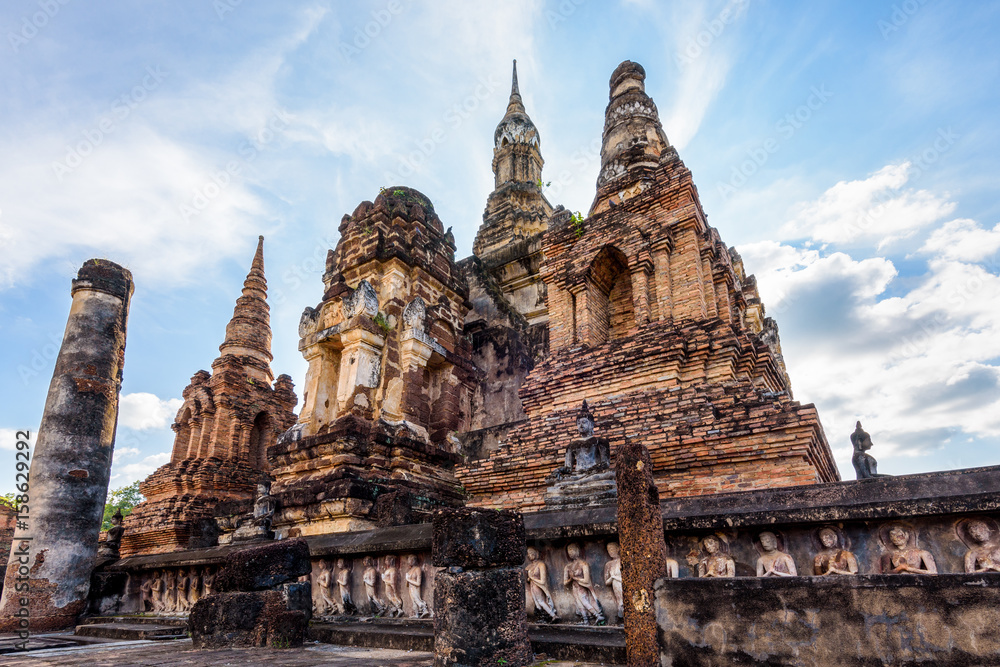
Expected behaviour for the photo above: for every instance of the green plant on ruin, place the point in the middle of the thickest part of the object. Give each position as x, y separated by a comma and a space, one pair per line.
380, 320
543, 184
280, 642
576, 222
10, 500
124, 499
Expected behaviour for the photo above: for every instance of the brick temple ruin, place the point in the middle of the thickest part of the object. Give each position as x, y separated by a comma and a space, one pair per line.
511, 380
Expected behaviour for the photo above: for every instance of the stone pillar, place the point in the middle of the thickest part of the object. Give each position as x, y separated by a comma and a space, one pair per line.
71, 466
643, 551
479, 599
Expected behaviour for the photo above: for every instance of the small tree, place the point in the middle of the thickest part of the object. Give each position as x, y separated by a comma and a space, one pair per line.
124, 499
9, 500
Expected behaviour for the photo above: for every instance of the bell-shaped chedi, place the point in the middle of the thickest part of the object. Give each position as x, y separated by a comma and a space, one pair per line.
653, 321
229, 418
389, 379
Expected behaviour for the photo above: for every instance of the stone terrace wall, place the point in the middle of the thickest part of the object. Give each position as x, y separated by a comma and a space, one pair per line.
950, 619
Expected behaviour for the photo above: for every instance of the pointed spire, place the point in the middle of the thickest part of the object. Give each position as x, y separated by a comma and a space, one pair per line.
248, 334
515, 104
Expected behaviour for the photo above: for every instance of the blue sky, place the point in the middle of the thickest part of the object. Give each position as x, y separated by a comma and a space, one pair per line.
849, 151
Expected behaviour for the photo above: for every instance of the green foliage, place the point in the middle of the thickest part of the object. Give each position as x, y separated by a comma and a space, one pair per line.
382, 322
543, 184
124, 499
576, 220
8, 499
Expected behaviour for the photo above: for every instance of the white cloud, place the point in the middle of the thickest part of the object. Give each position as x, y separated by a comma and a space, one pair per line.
126, 474
142, 411
9, 439
875, 210
963, 240
914, 360
70, 192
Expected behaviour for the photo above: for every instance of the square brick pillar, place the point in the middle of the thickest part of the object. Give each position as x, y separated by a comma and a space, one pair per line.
479, 614
643, 551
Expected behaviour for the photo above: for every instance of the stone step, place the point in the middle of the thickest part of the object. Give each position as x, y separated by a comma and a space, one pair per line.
561, 642
131, 631
178, 621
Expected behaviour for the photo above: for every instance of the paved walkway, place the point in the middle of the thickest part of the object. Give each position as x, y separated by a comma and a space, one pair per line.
180, 652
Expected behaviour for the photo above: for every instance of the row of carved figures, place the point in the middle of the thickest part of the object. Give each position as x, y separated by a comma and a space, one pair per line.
175, 591
333, 587
902, 555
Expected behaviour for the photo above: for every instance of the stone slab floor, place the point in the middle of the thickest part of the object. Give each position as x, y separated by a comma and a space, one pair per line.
180, 652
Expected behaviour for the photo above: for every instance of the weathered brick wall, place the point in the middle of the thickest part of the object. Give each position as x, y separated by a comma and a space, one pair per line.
701, 440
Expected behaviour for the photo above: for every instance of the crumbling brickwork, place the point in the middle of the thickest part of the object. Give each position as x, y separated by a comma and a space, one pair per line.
390, 379
228, 419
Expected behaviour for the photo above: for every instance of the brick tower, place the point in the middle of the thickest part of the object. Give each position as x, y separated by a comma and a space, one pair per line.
652, 320
509, 242
389, 379
227, 421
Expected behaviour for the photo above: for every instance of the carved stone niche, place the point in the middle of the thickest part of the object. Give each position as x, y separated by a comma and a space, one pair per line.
364, 299
774, 560
981, 535
834, 556
712, 558
902, 554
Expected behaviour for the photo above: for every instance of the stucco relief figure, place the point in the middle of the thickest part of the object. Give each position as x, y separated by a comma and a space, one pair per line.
576, 577
773, 562
833, 558
904, 557
390, 582
864, 463
714, 560
981, 536
347, 605
194, 591
170, 592
613, 577
370, 579
325, 603
414, 580
538, 587
157, 590
183, 585
207, 581
146, 593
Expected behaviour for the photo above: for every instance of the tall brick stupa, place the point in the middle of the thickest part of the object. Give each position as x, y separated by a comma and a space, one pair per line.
229, 418
651, 320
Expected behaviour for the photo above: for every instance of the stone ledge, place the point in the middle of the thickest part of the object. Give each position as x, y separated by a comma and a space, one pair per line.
925, 494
